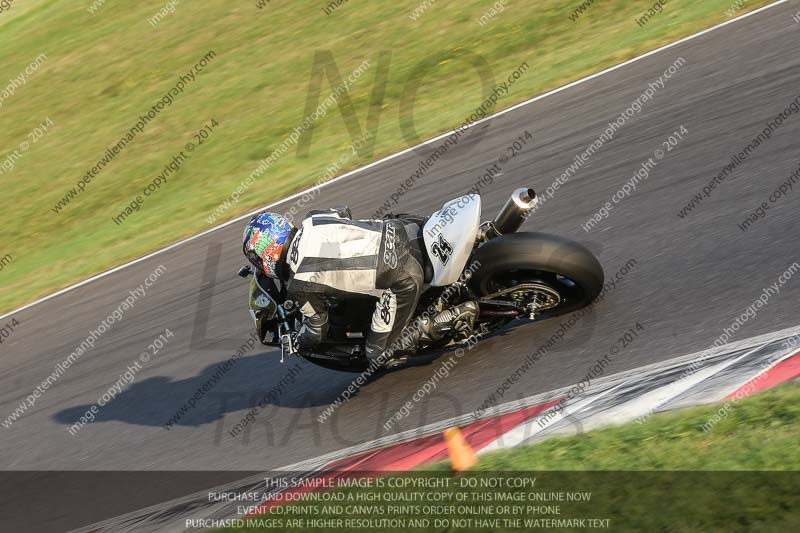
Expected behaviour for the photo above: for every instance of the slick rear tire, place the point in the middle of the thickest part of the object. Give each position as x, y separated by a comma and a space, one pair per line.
562, 264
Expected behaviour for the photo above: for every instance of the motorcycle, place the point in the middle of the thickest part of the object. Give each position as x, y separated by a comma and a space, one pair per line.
511, 275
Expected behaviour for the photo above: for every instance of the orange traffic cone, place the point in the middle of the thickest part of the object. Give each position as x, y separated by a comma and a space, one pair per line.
461, 455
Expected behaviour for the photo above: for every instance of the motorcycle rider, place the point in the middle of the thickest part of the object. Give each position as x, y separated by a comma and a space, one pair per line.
331, 255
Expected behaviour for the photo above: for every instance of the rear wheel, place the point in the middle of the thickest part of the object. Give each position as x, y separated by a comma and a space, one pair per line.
545, 274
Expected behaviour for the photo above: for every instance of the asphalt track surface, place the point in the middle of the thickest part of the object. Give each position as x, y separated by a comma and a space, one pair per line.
693, 276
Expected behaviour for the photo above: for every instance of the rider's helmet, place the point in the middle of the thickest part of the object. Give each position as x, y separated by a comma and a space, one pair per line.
264, 238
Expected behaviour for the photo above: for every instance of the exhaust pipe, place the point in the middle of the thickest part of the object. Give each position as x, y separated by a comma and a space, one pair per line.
515, 212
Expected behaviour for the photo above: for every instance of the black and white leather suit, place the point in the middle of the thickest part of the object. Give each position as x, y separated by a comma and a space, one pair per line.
334, 256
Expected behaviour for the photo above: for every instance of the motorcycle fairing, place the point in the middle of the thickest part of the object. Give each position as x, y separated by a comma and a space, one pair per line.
449, 237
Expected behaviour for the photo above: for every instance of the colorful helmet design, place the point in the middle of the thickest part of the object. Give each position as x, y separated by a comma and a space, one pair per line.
264, 239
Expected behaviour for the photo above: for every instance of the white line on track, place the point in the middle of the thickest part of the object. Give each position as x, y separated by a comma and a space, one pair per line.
394, 156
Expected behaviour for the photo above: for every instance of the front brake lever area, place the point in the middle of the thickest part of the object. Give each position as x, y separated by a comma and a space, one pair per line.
288, 345
288, 338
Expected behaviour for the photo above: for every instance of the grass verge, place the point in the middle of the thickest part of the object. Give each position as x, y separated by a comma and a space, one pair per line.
106, 67
757, 433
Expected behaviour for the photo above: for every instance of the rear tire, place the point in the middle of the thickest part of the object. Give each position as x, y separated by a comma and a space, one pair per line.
563, 265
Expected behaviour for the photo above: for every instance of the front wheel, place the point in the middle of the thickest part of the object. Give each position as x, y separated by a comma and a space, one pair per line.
546, 274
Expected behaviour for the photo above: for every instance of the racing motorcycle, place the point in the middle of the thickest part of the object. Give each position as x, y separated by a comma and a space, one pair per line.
511, 275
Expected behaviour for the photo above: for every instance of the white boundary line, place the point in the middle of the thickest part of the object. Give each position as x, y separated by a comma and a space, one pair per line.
395, 155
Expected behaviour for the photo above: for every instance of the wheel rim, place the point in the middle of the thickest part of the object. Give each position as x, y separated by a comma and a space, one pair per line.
543, 292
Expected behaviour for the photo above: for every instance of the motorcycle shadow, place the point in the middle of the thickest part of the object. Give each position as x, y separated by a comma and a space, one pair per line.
254, 380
